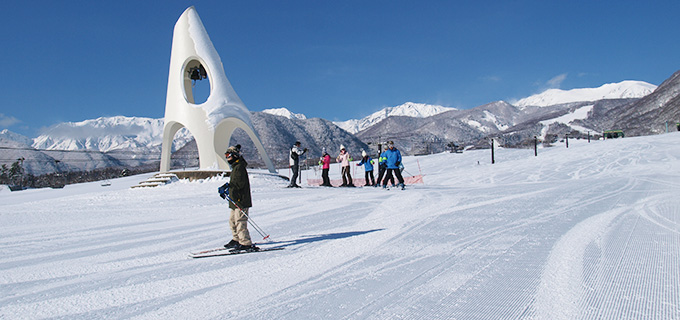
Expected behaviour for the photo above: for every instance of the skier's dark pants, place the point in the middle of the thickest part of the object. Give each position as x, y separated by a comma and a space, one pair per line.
293, 179
381, 173
397, 173
346, 177
324, 176
388, 177
370, 173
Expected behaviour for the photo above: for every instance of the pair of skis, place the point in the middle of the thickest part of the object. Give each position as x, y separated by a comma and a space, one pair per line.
222, 251
227, 252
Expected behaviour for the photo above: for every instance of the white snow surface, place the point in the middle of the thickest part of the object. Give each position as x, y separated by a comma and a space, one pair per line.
567, 119
620, 90
586, 232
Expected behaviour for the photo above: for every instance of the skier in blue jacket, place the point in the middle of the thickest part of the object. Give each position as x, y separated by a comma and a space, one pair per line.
368, 166
393, 161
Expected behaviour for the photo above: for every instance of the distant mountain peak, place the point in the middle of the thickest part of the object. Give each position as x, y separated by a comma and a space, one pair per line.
620, 90
9, 138
283, 112
417, 110
408, 109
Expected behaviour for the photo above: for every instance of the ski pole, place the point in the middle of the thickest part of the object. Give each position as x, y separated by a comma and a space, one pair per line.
250, 220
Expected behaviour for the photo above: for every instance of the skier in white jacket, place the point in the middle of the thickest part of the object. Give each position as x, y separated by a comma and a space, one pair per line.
294, 161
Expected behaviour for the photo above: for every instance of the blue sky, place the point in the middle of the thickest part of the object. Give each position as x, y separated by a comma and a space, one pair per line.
338, 60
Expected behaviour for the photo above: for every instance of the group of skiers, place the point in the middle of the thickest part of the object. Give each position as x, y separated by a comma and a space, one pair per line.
389, 166
237, 190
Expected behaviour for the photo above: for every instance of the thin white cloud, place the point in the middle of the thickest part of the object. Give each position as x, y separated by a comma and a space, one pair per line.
556, 81
6, 121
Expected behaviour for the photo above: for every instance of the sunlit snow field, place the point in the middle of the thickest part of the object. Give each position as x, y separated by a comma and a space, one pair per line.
586, 232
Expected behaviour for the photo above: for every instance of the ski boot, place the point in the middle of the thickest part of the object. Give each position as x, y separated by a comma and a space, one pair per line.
232, 244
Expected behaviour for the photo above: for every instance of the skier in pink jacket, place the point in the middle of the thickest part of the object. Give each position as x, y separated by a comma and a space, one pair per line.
344, 159
325, 162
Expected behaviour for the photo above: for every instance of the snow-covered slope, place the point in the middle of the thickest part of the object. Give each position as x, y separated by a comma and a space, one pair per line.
409, 109
621, 90
285, 113
109, 133
588, 232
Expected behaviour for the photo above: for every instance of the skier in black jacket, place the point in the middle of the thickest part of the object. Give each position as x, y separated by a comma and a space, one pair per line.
238, 189
294, 159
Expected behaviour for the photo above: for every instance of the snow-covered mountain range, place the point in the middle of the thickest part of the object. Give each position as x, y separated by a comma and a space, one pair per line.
408, 109
107, 134
579, 112
547, 115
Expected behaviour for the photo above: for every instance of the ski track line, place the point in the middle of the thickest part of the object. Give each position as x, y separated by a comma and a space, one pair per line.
532, 220
422, 279
559, 289
647, 292
603, 304
652, 214
467, 242
464, 244
557, 295
521, 223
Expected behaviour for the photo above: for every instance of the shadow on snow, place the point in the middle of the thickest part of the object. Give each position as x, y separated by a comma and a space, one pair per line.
322, 237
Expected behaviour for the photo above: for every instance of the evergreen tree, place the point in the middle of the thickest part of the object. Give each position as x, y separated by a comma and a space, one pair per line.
16, 171
4, 174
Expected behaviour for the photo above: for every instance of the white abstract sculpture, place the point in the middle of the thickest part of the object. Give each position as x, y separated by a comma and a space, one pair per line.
213, 122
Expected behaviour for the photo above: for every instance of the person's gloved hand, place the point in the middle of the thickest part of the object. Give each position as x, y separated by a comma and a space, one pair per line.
223, 190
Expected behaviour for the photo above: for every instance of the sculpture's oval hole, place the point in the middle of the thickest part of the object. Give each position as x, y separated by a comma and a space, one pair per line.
197, 84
